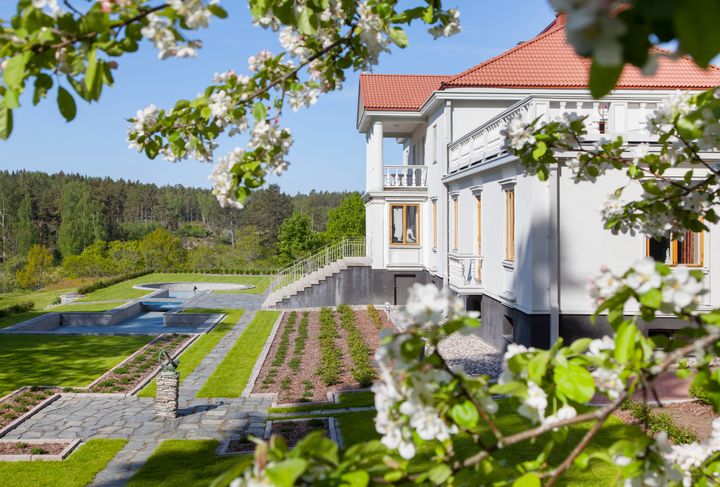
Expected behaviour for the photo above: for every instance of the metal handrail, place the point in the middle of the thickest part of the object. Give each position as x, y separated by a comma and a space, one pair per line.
349, 247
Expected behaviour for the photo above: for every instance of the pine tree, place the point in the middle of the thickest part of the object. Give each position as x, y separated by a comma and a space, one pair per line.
26, 233
77, 219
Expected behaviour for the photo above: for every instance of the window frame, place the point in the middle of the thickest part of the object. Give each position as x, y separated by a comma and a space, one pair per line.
510, 224
674, 252
478, 203
404, 206
433, 202
456, 218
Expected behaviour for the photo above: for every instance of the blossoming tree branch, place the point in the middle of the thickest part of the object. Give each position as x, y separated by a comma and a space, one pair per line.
424, 406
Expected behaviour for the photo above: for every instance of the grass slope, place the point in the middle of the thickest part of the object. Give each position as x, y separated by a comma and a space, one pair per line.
231, 376
77, 470
124, 290
41, 298
192, 357
105, 306
73, 361
186, 463
19, 318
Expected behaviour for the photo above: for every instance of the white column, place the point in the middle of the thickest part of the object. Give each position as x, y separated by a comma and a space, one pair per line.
374, 158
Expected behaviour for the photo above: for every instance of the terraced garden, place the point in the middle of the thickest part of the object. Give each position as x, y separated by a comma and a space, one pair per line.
318, 351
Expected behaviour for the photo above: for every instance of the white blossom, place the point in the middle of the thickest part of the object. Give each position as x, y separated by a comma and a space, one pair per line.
52, 6
533, 406
564, 413
518, 134
450, 29
599, 345
608, 381
223, 180
682, 291
644, 276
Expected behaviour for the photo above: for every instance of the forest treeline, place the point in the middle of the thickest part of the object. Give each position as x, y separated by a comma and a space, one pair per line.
70, 215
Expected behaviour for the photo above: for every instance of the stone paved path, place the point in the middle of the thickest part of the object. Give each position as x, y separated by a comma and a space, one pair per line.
193, 382
248, 302
76, 416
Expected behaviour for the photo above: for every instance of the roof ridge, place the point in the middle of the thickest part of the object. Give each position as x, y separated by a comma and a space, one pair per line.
550, 29
410, 75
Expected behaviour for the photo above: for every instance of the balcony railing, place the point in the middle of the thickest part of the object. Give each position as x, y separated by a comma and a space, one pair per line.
405, 177
624, 118
465, 272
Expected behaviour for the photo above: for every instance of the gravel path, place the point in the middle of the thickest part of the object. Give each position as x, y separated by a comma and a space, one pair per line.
472, 353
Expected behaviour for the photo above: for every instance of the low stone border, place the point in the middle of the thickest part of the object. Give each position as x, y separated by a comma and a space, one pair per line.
20, 420
261, 359
155, 371
333, 427
129, 358
72, 444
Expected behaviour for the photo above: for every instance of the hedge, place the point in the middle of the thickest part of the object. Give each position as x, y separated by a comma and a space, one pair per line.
103, 283
16, 308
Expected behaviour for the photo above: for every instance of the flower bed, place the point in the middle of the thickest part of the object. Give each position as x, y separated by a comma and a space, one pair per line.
295, 430
320, 352
22, 401
125, 377
24, 448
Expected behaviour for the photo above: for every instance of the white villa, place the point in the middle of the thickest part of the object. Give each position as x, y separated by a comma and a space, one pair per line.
457, 210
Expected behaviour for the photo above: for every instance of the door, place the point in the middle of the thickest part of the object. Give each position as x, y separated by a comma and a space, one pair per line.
403, 283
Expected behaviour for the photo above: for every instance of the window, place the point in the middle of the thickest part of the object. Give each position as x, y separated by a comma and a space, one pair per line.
404, 224
478, 201
688, 252
434, 216
456, 210
510, 224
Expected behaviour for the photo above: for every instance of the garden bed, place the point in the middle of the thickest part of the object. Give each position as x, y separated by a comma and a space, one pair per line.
292, 431
29, 450
684, 421
140, 367
307, 358
15, 405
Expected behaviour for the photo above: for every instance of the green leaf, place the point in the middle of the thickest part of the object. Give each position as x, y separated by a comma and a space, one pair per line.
539, 151
537, 367
528, 480
307, 21
696, 24
652, 299
625, 342
12, 98
66, 103
6, 121
217, 11
574, 382
359, 478
285, 473
439, 474
14, 73
603, 78
259, 111
465, 414
93, 76
43, 83
399, 37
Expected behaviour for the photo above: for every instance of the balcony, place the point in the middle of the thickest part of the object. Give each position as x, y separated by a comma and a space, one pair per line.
610, 119
405, 177
465, 273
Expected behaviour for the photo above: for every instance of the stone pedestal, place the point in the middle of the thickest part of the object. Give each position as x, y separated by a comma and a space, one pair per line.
166, 398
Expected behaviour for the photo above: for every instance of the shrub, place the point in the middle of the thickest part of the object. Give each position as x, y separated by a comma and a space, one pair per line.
103, 283
701, 394
300, 339
375, 316
657, 422
16, 309
330, 362
362, 370
283, 344
36, 450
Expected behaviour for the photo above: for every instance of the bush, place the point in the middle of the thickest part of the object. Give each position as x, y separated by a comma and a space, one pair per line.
375, 316
701, 394
330, 362
103, 283
362, 370
284, 342
16, 309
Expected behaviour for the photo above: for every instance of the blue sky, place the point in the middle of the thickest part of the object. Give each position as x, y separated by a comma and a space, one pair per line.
328, 153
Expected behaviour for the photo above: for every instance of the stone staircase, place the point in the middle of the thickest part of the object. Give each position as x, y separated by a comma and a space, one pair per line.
317, 268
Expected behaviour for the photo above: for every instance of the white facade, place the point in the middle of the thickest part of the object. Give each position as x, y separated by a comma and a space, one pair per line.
559, 239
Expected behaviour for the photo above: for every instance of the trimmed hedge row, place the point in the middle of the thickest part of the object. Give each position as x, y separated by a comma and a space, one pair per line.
16, 309
103, 283
330, 357
362, 370
239, 271
375, 316
657, 422
300, 339
284, 342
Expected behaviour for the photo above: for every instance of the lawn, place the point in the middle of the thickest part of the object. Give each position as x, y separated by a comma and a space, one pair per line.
18, 318
231, 376
186, 463
125, 290
192, 357
77, 470
347, 400
68, 361
104, 306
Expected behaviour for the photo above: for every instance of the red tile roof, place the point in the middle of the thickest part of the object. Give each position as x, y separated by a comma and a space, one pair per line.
545, 62
397, 91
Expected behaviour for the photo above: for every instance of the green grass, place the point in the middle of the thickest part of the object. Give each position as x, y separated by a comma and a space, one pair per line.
88, 306
125, 290
192, 357
19, 318
347, 400
231, 376
72, 361
186, 463
77, 470
358, 427
41, 298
